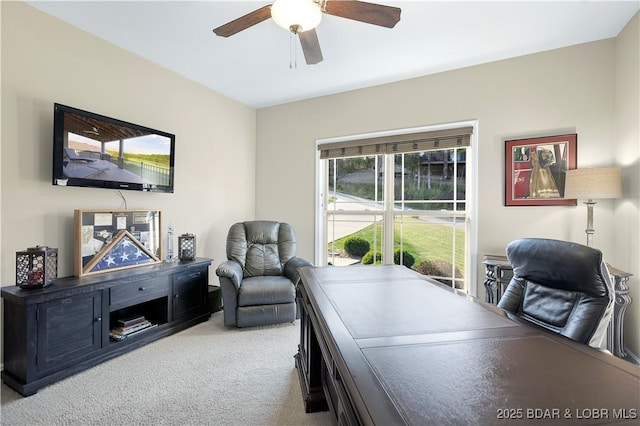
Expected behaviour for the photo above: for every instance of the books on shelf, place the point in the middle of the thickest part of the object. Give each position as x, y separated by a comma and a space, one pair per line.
126, 322
131, 326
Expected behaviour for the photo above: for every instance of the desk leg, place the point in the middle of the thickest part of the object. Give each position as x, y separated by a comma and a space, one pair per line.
309, 363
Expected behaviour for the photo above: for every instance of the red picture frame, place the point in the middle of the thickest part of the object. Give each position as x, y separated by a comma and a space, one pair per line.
535, 170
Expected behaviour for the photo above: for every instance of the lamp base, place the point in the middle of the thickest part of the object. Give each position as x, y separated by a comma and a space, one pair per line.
590, 231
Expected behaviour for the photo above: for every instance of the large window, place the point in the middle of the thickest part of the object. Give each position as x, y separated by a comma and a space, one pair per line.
404, 200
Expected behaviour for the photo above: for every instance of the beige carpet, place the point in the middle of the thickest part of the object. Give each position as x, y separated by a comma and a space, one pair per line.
206, 375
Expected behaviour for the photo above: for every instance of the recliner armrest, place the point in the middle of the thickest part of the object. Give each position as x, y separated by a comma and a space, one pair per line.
291, 268
232, 270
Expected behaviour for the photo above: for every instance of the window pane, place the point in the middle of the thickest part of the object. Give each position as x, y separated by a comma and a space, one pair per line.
429, 241
353, 184
367, 229
430, 180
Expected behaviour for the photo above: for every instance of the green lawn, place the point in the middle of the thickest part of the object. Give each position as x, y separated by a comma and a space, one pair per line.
423, 241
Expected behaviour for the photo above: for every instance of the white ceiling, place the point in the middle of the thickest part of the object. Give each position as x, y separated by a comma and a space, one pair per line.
253, 66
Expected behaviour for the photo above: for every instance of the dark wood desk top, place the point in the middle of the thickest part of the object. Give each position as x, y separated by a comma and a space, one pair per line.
413, 351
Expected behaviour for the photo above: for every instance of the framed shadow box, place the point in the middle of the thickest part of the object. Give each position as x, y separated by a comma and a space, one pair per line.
109, 240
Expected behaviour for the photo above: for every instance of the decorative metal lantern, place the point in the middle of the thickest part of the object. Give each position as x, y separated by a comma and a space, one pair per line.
36, 267
187, 247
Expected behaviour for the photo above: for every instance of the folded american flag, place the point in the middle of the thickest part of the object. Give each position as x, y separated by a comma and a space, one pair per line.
125, 252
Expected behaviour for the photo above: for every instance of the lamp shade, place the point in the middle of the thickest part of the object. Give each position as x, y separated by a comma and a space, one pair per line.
593, 183
296, 15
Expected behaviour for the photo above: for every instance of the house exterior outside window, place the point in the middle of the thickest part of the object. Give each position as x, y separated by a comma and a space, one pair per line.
409, 202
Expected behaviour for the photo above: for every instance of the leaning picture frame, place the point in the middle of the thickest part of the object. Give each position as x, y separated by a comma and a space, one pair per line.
535, 170
110, 240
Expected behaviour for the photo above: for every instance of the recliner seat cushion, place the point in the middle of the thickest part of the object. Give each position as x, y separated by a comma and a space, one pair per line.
268, 290
252, 316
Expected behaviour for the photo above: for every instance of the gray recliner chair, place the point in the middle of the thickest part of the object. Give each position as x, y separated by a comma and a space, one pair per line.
258, 281
562, 286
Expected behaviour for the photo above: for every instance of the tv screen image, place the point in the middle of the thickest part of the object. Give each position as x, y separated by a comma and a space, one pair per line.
93, 150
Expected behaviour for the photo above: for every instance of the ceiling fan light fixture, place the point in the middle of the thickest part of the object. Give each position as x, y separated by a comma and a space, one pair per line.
296, 15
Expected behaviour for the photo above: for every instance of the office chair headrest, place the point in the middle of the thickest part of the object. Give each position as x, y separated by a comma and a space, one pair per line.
559, 264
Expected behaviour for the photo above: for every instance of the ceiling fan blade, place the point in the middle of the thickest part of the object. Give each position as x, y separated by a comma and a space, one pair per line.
310, 46
244, 22
370, 13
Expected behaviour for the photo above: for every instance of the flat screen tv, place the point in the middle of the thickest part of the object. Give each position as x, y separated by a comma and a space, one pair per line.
96, 151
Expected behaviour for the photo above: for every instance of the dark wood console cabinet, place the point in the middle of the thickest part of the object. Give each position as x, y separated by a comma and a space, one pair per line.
52, 333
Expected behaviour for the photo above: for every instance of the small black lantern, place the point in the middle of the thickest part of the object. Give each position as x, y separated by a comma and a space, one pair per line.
36, 267
187, 247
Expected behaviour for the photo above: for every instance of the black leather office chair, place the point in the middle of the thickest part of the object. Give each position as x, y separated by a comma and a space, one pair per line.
562, 286
258, 280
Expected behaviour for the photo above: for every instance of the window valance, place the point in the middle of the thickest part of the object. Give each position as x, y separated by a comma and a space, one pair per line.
401, 143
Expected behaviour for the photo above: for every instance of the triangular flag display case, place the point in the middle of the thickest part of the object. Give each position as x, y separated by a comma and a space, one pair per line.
123, 251
110, 240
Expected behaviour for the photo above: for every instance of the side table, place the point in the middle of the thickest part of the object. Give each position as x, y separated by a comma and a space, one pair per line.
498, 274
615, 332
215, 300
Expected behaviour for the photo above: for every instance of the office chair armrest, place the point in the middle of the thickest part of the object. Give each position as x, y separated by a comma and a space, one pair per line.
512, 296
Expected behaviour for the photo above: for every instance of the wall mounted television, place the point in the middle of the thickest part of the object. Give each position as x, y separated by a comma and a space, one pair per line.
92, 150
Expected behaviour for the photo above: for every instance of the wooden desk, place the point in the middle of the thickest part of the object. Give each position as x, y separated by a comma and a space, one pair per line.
384, 345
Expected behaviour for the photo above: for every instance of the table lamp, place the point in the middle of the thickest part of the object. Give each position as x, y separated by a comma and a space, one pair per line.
593, 183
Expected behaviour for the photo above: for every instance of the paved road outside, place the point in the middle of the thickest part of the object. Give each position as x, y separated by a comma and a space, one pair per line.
345, 225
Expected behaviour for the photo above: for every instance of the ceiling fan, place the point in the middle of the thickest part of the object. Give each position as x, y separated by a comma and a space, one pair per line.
302, 16
93, 131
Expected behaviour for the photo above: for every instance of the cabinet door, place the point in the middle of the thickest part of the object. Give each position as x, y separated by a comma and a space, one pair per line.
68, 329
189, 294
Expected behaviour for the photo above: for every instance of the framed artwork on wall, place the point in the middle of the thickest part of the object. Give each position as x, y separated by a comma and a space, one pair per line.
109, 240
535, 170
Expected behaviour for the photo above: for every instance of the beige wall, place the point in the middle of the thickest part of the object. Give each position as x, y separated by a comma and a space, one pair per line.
562, 91
44, 61
626, 139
